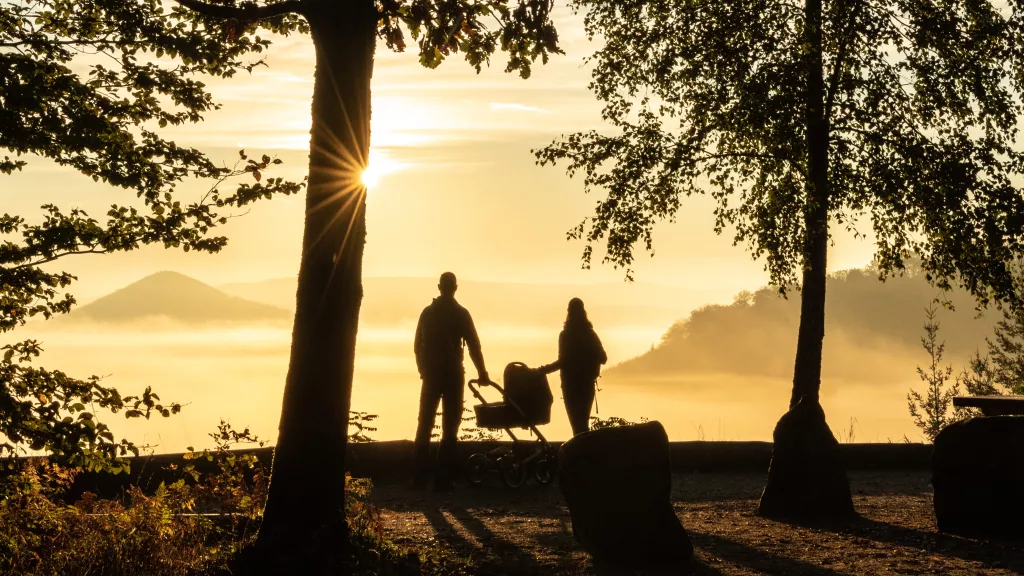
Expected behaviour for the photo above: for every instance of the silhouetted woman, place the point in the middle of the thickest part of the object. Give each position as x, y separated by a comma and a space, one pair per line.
580, 356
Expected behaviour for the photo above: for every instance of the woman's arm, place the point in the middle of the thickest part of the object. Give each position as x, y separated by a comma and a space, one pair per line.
602, 357
557, 364
549, 368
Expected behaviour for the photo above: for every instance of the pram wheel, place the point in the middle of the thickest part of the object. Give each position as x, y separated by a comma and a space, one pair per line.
544, 470
476, 467
513, 473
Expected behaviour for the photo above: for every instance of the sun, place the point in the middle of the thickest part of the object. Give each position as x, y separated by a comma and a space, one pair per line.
371, 177
379, 166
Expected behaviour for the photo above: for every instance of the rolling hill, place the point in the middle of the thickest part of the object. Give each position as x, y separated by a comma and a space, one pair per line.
872, 330
179, 298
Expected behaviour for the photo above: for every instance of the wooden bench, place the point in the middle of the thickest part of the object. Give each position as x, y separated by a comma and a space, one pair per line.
992, 405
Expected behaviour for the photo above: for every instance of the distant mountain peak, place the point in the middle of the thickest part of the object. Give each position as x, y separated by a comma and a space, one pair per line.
165, 275
179, 297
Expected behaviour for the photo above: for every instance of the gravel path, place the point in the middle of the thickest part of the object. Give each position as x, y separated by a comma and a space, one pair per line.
528, 531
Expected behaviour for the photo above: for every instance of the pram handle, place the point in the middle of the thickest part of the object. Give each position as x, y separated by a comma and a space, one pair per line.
497, 387
480, 383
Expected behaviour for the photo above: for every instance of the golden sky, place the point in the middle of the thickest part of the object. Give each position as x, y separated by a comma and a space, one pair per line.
454, 187
454, 184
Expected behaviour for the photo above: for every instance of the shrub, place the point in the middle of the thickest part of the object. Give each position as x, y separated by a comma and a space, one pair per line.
192, 526
934, 410
611, 422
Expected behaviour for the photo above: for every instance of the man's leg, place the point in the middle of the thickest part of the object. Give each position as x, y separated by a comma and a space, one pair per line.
451, 419
430, 396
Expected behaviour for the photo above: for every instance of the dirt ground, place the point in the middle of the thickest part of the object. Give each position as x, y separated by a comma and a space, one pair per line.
527, 531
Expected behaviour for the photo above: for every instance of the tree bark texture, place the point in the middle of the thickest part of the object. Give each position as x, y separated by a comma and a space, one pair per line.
307, 490
807, 369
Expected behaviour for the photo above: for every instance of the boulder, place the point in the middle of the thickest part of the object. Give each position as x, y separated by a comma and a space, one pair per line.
978, 477
617, 483
806, 477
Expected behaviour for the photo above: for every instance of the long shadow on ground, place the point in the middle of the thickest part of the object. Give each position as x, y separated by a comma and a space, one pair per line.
527, 531
759, 560
1006, 555
495, 553
721, 487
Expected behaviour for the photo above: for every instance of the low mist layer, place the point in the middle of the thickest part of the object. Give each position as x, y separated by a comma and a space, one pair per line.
400, 300
721, 373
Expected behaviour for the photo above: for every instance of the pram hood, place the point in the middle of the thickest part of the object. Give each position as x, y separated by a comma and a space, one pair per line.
527, 400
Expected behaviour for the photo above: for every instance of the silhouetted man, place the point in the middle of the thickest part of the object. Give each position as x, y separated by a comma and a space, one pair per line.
443, 328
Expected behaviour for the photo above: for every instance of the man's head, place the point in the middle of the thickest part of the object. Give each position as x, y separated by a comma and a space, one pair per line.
447, 285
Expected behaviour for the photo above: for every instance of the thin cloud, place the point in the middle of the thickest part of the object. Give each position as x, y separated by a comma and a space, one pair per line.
515, 106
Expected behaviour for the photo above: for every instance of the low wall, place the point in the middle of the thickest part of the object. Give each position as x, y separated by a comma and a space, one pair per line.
392, 461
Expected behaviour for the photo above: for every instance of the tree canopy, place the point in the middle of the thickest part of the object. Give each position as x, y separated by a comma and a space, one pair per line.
795, 117
91, 85
921, 102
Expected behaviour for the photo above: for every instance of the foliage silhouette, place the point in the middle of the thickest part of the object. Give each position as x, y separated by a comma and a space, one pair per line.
597, 423
91, 86
1003, 371
307, 499
470, 433
362, 422
46, 410
933, 410
193, 525
790, 116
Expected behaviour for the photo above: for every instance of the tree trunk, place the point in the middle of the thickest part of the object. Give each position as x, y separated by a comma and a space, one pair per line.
807, 371
806, 479
307, 490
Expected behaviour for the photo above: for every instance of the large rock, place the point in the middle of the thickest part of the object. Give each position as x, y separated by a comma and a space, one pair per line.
978, 477
617, 484
806, 478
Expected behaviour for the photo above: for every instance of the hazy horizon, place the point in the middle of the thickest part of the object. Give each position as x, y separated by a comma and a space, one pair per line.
727, 375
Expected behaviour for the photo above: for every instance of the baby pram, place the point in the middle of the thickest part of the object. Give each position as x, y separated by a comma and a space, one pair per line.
526, 404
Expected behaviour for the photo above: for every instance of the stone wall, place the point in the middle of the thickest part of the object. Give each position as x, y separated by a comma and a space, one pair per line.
392, 461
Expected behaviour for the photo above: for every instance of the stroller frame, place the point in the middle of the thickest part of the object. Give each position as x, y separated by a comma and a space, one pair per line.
513, 463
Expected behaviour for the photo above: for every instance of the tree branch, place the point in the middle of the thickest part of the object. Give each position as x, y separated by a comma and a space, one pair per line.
777, 157
57, 256
250, 12
844, 45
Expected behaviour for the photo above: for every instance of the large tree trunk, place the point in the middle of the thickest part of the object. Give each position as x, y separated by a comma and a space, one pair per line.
807, 371
307, 490
806, 479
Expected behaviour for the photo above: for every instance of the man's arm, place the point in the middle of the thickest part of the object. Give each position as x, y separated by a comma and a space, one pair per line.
417, 346
473, 343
